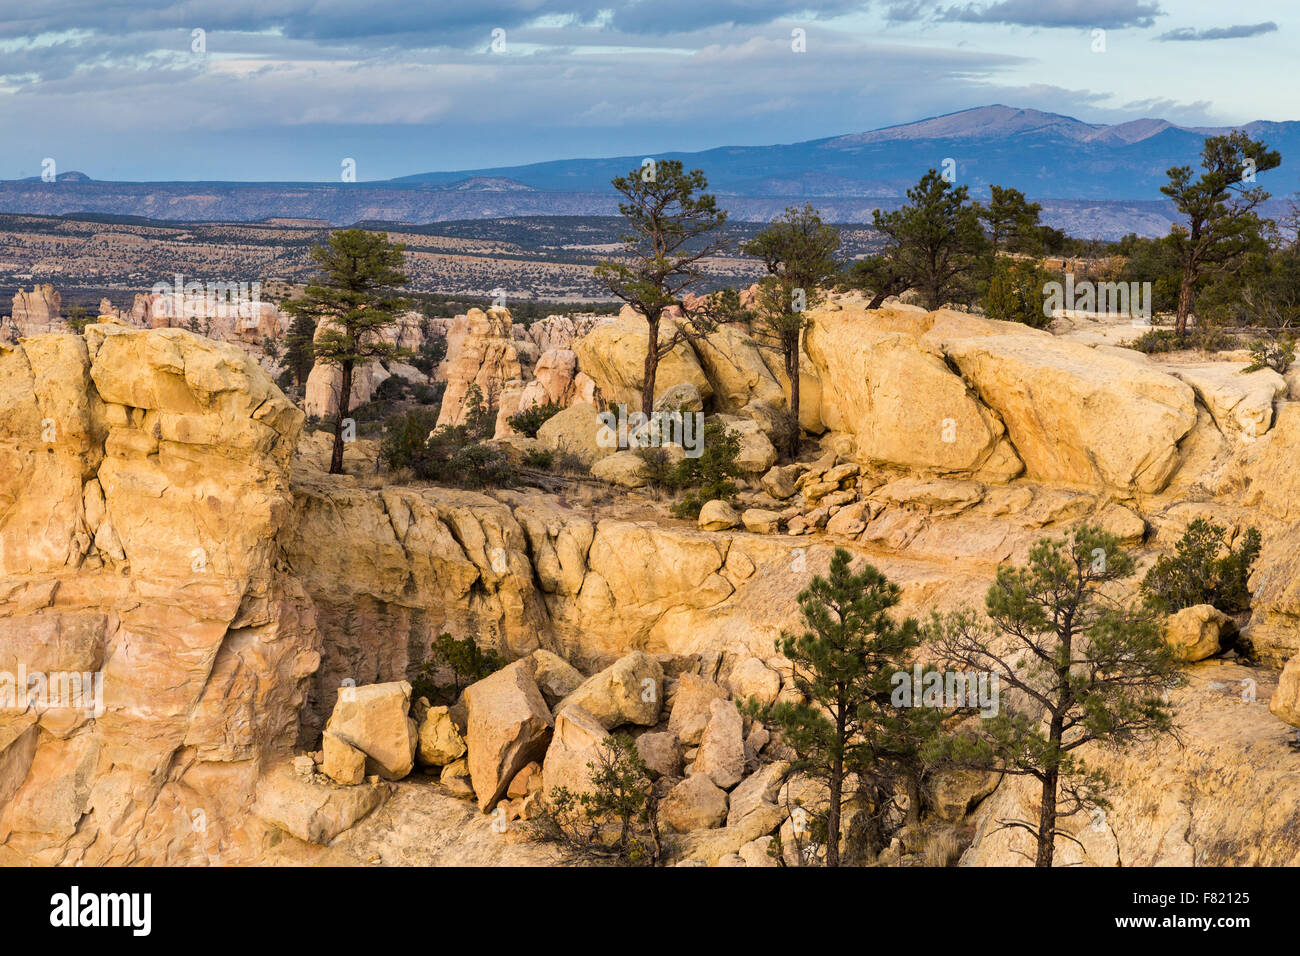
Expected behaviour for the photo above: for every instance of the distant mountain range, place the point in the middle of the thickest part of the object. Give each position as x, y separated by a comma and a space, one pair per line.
1094, 180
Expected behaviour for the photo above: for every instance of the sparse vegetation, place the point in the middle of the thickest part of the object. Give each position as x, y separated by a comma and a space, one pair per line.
616, 819
528, 421
710, 475
1015, 293
1205, 338
1204, 569
1275, 352
463, 660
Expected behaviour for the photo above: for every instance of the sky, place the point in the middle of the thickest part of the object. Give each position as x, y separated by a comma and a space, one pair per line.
290, 90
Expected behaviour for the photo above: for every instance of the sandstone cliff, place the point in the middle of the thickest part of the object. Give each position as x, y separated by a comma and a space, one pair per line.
156, 526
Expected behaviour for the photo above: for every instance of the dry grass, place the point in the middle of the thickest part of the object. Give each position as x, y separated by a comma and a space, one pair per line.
942, 847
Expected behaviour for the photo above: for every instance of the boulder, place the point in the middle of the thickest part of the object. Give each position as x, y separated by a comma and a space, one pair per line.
613, 355
682, 397
574, 745
735, 366
626, 469
1061, 402
756, 791
455, 777
341, 762
1285, 704
779, 480
850, 520
660, 753
576, 430
1194, 632
556, 678
751, 678
761, 521
722, 747
756, 853
690, 713
757, 453
374, 719
629, 691
311, 811
717, 515
509, 725
440, 740
694, 804
1241, 405
897, 397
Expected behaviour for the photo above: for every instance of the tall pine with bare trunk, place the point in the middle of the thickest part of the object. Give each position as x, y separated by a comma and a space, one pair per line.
353, 303
672, 228
1075, 665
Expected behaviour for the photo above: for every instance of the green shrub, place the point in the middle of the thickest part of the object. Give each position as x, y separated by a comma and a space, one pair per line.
428, 394
617, 818
448, 455
1208, 339
466, 661
1204, 569
405, 438
391, 389
540, 458
1277, 354
658, 465
534, 417
710, 475
1015, 294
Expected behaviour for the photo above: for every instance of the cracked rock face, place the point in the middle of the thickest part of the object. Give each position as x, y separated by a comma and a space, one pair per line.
144, 479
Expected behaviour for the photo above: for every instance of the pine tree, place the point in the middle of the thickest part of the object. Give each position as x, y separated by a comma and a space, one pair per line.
843, 666
300, 354
671, 221
355, 299
935, 241
798, 251
1083, 668
1220, 209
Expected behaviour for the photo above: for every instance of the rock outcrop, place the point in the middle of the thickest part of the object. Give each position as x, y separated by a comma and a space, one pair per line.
480, 351
144, 478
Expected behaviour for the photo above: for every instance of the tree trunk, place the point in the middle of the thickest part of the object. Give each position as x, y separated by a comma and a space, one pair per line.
836, 789
1047, 821
878, 299
913, 786
792, 370
833, 813
1185, 299
651, 365
345, 398
1047, 808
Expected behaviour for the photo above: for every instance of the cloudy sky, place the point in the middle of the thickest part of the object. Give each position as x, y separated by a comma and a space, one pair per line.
287, 89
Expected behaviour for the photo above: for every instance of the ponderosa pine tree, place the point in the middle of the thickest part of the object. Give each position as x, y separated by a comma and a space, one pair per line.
1219, 208
355, 297
1082, 668
935, 242
843, 665
672, 223
798, 251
